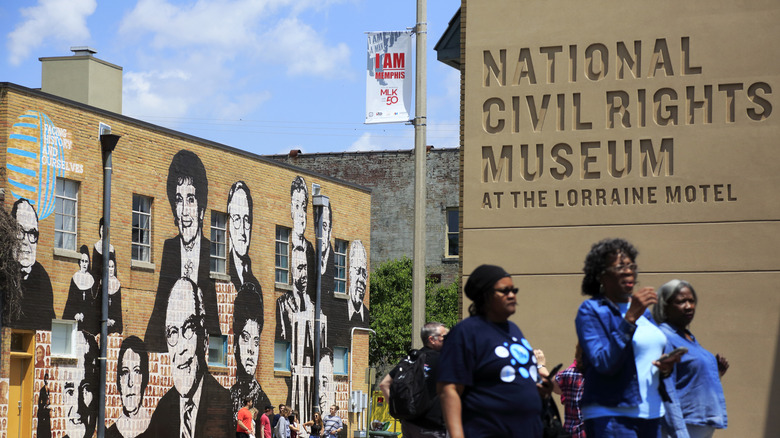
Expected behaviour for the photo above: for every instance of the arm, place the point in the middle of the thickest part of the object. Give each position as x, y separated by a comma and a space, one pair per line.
604, 348
723, 365
384, 386
449, 394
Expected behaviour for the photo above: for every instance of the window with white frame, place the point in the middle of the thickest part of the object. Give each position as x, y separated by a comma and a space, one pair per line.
218, 242
66, 214
281, 356
340, 360
282, 255
218, 351
340, 266
142, 229
62, 337
452, 232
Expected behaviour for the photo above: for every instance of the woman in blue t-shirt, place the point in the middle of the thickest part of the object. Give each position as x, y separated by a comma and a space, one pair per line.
487, 370
623, 395
697, 376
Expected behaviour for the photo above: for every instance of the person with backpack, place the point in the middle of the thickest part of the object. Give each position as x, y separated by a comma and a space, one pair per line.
410, 387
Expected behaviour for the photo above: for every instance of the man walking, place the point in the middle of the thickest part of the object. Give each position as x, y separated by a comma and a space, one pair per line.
265, 422
244, 417
333, 423
431, 423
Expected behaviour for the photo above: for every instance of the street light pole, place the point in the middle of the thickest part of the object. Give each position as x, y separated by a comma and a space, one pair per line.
320, 202
107, 144
420, 122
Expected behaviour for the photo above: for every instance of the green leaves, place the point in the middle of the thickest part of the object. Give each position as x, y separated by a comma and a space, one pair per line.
391, 310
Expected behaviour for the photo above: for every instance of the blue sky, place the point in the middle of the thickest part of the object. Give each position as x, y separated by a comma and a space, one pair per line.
265, 76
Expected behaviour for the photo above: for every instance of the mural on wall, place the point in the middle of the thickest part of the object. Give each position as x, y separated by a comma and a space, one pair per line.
161, 385
35, 308
187, 254
358, 274
83, 303
196, 405
132, 378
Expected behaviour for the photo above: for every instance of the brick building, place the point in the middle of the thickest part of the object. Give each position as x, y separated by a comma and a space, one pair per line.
390, 175
211, 278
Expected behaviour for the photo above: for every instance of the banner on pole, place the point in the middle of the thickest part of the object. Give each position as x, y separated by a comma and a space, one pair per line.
389, 77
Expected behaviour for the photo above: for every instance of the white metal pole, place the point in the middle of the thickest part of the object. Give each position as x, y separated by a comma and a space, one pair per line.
420, 121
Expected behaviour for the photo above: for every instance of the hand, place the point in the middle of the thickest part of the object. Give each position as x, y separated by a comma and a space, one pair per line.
640, 301
540, 360
723, 364
666, 366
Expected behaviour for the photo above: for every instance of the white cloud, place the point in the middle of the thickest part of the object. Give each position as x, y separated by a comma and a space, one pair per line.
146, 94
371, 142
305, 52
49, 19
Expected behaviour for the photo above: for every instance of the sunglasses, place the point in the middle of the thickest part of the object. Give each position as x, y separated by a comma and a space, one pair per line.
507, 290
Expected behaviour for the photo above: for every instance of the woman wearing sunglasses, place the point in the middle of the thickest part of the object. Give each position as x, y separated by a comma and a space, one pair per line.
488, 379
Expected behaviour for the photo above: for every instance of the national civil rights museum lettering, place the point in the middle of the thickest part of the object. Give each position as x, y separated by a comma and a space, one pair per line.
622, 111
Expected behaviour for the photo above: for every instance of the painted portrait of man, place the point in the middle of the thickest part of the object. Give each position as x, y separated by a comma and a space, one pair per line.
358, 277
197, 405
240, 218
34, 309
187, 254
80, 389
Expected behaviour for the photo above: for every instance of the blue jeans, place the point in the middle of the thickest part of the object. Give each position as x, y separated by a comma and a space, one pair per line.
622, 427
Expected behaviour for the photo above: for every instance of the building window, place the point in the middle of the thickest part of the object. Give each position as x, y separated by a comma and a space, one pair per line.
142, 228
340, 265
281, 356
65, 214
452, 232
218, 241
218, 351
340, 360
62, 337
282, 255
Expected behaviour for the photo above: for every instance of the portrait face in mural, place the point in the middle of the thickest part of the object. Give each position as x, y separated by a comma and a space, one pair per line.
327, 388
240, 215
188, 194
79, 398
327, 226
132, 374
186, 337
299, 201
299, 268
27, 218
247, 327
357, 274
40, 354
111, 267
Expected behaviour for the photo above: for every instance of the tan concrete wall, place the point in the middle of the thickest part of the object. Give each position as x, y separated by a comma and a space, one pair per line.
563, 89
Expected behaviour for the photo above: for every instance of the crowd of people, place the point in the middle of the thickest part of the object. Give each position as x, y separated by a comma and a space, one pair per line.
285, 424
638, 370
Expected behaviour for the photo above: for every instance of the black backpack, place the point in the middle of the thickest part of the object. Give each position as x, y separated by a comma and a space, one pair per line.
409, 398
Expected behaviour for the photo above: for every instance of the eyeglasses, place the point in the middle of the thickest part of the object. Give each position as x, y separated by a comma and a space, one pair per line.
240, 222
621, 268
507, 290
187, 330
30, 235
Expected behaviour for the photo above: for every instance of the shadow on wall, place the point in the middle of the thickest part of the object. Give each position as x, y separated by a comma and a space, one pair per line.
772, 419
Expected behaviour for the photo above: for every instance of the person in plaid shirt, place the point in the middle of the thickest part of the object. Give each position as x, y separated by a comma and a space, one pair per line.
569, 384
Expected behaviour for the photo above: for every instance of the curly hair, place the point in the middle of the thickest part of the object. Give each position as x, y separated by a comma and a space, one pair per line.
597, 260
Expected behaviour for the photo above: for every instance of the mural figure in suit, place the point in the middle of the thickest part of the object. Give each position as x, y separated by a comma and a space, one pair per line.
358, 275
247, 328
299, 206
35, 307
83, 303
186, 255
132, 376
44, 410
197, 405
97, 255
239, 209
